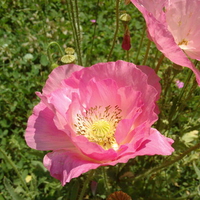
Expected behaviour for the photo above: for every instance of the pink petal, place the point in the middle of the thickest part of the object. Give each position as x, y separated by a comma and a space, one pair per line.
162, 37
152, 79
58, 75
65, 165
42, 134
93, 150
155, 144
130, 102
100, 93
184, 23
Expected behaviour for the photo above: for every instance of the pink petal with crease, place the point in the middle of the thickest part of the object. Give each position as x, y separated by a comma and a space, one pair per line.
41, 132
162, 32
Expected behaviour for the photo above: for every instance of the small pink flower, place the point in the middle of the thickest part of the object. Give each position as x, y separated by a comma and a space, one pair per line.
96, 116
93, 20
174, 26
179, 84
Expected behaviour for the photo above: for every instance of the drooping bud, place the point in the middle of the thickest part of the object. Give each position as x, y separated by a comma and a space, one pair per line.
126, 44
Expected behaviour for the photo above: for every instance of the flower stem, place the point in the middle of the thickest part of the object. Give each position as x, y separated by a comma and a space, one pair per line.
89, 55
74, 18
49, 51
173, 112
167, 163
90, 175
159, 63
147, 53
116, 30
127, 56
106, 181
140, 46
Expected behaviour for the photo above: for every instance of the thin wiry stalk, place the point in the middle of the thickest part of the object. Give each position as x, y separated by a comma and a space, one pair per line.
116, 30
76, 31
167, 163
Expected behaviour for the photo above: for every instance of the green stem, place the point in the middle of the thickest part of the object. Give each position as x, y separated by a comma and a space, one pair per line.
17, 171
174, 108
127, 56
189, 95
116, 30
140, 46
106, 181
90, 175
74, 23
49, 51
147, 53
77, 20
88, 56
155, 58
159, 63
167, 163
74, 19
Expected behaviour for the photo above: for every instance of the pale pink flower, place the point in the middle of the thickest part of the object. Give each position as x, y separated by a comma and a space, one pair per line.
96, 116
179, 84
93, 20
174, 26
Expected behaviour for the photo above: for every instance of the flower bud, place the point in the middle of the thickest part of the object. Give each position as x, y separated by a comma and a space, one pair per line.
68, 59
125, 17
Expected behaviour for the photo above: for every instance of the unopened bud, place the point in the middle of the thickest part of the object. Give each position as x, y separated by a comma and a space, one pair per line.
125, 17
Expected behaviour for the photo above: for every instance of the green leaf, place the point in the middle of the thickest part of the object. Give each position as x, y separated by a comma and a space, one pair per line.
11, 190
44, 60
196, 170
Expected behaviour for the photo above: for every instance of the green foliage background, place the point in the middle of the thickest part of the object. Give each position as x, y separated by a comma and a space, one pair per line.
27, 27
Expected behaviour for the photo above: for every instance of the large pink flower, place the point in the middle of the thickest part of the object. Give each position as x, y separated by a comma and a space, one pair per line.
174, 26
96, 116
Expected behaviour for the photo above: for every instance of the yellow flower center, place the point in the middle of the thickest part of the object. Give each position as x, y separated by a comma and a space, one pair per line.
100, 128
98, 124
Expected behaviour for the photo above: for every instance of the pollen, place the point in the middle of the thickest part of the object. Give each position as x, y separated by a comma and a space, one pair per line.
183, 42
98, 124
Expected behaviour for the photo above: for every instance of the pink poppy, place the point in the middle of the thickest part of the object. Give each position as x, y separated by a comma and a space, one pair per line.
174, 26
96, 116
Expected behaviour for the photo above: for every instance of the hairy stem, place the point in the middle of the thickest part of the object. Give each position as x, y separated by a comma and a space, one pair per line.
167, 163
90, 175
49, 51
147, 53
116, 30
